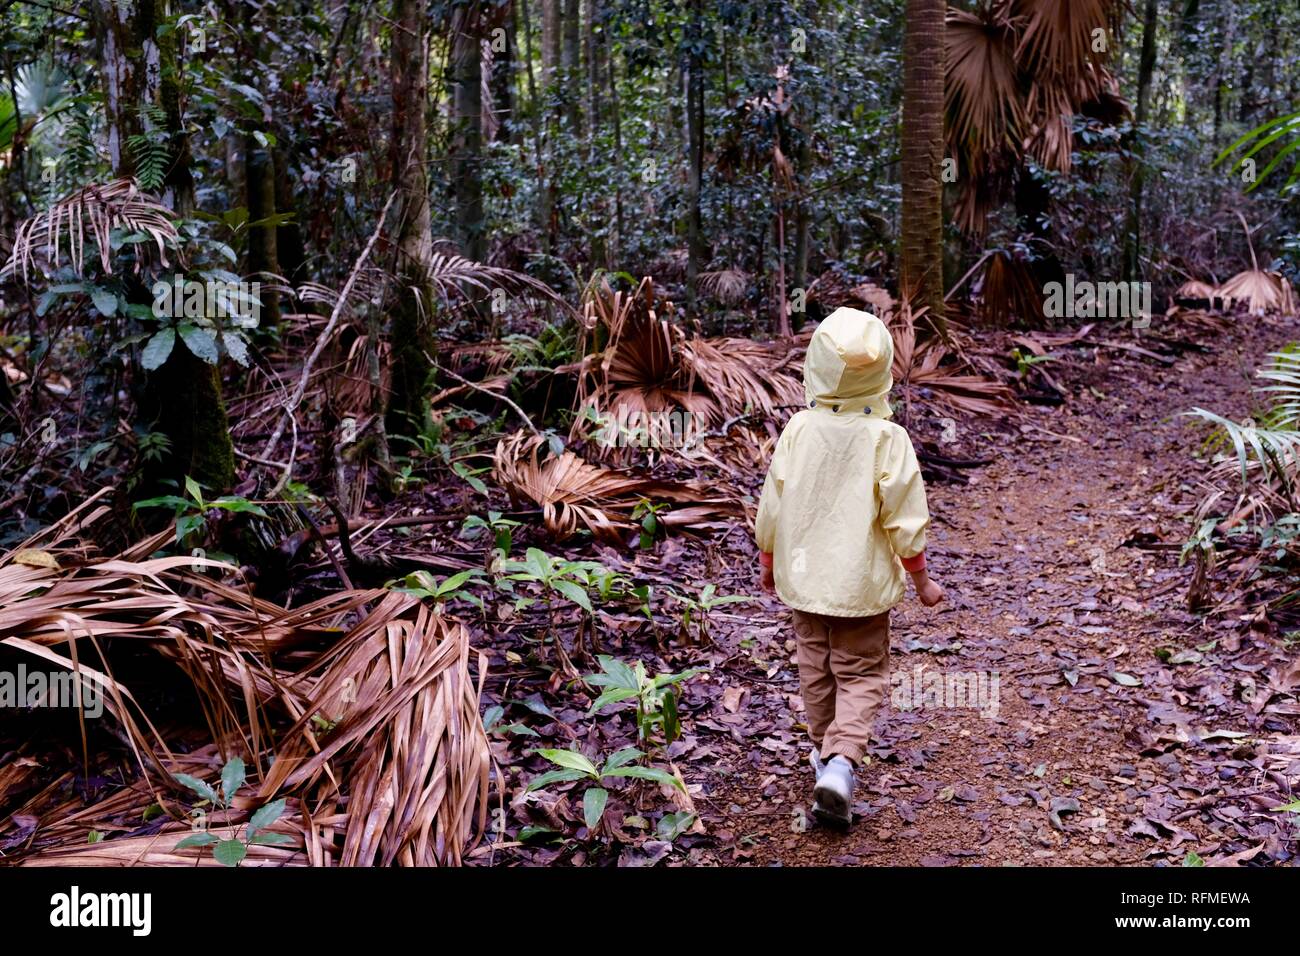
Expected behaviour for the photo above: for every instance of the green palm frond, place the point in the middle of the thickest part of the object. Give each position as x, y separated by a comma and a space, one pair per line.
1265, 135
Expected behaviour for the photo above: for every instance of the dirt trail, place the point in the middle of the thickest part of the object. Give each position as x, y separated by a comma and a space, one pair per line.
1061, 565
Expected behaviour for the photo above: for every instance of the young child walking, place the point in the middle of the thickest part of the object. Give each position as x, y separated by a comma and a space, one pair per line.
842, 516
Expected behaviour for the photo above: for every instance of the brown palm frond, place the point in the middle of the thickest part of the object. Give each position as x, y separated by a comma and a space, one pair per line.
450, 274
983, 95
1009, 291
1261, 290
1057, 39
573, 492
382, 716
728, 286
89, 214
920, 364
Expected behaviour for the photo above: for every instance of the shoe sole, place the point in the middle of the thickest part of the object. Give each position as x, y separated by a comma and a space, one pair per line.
831, 809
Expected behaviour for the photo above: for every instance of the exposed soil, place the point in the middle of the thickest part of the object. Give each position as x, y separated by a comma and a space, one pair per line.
1061, 564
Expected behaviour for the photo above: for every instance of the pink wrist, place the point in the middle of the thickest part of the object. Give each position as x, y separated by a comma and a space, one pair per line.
913, 564
765, 558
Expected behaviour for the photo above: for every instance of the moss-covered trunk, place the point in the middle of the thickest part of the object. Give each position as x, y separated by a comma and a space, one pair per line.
182, 399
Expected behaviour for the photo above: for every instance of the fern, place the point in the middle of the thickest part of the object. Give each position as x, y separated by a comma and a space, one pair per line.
1273, 443
149, 151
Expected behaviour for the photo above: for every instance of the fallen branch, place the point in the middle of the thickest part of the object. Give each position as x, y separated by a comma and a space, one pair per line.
291, 406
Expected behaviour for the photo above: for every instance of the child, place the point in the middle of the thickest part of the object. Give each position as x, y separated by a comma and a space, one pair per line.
842, 515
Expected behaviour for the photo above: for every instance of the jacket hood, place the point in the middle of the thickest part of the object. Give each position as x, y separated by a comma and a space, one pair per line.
847, 366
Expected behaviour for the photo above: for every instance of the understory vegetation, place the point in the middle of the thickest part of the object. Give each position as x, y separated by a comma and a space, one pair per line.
386, 389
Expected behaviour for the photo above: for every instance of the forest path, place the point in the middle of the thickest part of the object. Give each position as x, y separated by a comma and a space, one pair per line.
1060, 562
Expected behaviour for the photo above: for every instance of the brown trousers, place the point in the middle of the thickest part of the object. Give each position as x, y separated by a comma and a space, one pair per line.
844, 677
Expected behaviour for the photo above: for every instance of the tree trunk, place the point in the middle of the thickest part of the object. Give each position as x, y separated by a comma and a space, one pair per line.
571, 60
922, 226
411, 330
467, 130
1146, 67
182, 399
695, 152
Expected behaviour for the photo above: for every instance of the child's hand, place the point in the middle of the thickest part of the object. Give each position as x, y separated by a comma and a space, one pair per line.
928, 591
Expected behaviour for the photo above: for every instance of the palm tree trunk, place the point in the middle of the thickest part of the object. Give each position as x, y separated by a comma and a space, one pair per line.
922, 215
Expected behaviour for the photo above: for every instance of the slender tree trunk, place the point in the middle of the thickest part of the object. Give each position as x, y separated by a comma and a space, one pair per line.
695, 151
467, 130
551, 40
259, 173
922, 214
572, 65
411, 331
1146, 67
182, 399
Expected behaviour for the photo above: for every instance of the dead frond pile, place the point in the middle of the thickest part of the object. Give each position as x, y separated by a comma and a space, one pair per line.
574, 493
636, 361
360, 709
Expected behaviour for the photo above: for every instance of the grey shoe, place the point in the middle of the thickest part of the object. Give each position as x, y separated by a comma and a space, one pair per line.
815, 759
833, 795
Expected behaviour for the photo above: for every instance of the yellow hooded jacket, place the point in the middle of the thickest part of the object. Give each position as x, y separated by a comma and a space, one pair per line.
844, 501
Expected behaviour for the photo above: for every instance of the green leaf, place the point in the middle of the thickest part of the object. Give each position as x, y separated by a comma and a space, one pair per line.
574, 592
454, 582
264, 817
593, 806
611, 696
1193, 859
194, 490
198, 786
648, 773
273, 839
202, 342
570, 759
105, 301
622, 674
555, 776
230, 852
620, 758
157, 349
232, 778
236, 347
196, 839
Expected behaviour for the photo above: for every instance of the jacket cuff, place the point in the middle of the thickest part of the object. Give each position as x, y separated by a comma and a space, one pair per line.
765, 558
913, 564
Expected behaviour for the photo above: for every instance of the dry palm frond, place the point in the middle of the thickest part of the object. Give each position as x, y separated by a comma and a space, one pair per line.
1195, 289
1057, 39
572, 492
727, 286
643, 363
89, 213
920, 365
983, 96
450, 274
1009, 291
1261, 290
382, 717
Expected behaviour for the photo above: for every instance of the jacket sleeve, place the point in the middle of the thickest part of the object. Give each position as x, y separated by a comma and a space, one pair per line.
769, 504
904, 514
